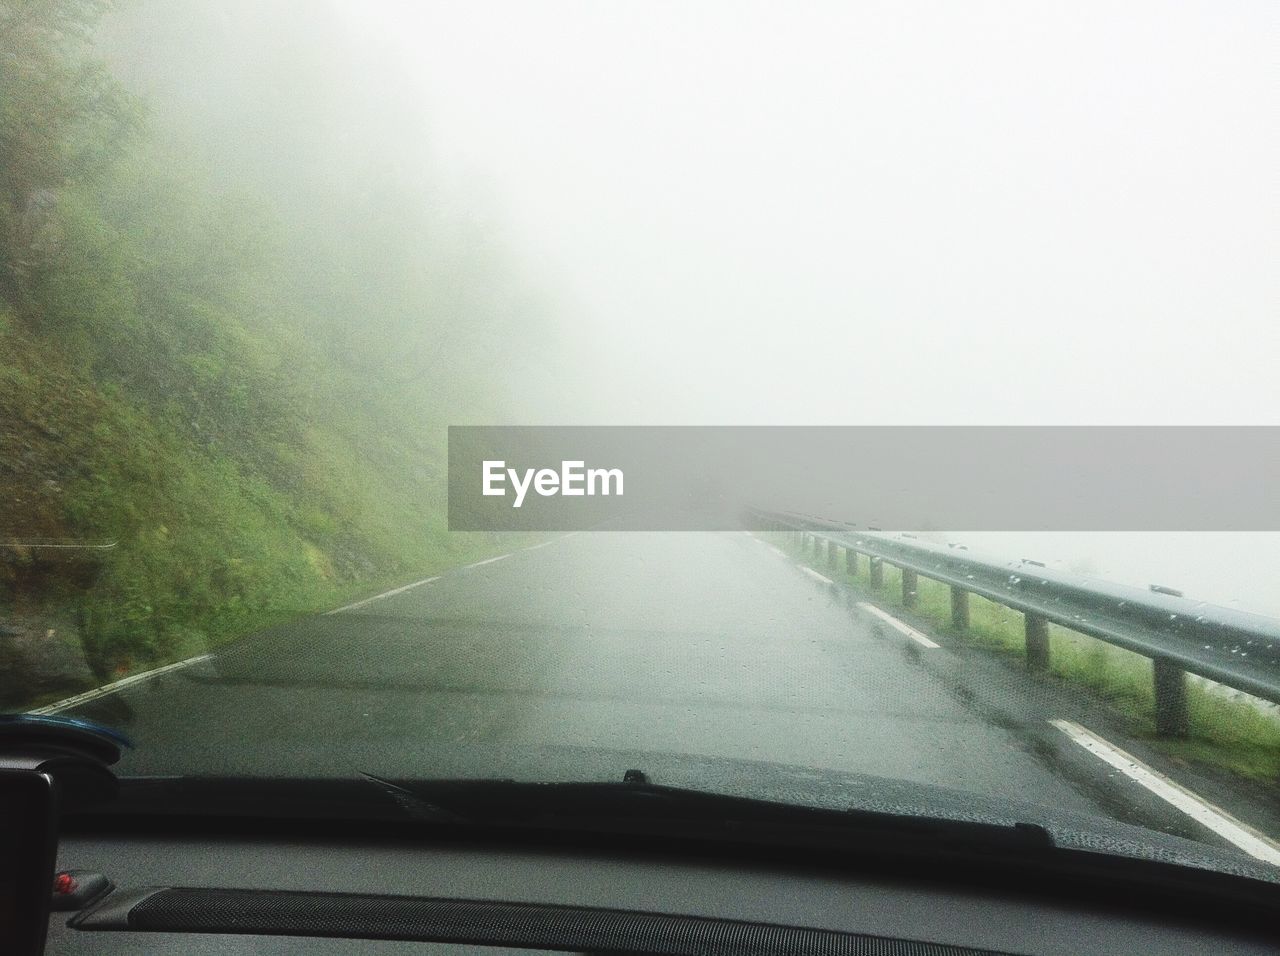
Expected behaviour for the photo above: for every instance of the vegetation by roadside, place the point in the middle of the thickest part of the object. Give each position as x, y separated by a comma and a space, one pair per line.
58, 663
221, 352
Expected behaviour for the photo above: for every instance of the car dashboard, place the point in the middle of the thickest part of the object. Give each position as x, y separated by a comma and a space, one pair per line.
229, 893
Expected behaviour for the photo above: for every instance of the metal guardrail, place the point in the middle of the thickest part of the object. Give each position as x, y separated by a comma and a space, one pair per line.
1179, 635
30, 564
47, 544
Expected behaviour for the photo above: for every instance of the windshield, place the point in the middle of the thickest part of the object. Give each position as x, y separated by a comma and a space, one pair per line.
887, 395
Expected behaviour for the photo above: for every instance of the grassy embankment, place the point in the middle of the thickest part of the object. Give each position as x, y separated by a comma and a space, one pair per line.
208, 546
241, 381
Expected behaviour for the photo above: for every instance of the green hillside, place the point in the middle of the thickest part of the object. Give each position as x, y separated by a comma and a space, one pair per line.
241, 381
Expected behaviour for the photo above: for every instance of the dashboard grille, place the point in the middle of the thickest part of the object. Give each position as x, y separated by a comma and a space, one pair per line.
482, 922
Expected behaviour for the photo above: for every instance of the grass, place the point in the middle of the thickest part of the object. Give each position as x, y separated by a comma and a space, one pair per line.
1227, 734
188, 641
242, 383
209, 547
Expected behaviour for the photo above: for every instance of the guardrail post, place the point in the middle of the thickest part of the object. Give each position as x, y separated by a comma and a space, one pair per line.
851, 562
959, 608
1037, 631
875, 573
909, 585
1172, 719
832, 552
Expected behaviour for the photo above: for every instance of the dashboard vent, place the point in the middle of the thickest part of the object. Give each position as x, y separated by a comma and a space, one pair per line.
478, 922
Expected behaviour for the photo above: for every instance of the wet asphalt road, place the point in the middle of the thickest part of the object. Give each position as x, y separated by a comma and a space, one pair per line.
706, 644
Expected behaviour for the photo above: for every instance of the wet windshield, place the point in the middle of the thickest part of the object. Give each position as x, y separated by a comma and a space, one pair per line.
269, 273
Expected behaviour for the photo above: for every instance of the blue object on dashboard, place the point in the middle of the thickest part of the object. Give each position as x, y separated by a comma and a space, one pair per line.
50, 728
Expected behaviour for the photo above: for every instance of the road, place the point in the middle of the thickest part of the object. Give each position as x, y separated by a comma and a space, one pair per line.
707, 644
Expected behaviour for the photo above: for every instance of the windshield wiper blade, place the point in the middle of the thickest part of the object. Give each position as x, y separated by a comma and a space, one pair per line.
413, 804
909, 841
630, 805
637, 805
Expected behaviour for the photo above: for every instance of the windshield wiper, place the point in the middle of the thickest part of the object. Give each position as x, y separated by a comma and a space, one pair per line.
638, 815
629, 805
635, 805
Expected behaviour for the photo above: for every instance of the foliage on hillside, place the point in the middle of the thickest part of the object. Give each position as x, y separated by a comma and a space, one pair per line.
173, 377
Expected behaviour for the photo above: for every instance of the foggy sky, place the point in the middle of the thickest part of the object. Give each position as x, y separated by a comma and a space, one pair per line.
856, 213
987, 213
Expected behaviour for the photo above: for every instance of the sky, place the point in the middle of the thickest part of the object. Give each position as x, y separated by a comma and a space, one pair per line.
882, 213
847, 213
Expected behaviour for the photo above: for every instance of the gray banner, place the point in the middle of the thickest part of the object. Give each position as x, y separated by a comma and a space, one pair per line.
657, 478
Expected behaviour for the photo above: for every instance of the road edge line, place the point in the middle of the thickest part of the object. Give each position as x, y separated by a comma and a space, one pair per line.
902, 626
1208, 815
480, 564
105, 689
384, 594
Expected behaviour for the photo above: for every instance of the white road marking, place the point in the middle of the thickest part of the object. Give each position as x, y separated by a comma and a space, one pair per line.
776, 550
815, 575
892, 621
535, 547
480, 564
379, 597
118, 685
418, 584
1196, 807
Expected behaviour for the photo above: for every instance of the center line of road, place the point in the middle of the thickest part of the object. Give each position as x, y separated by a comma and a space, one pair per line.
379, 597
1196, 807
815, 575
893, 622
117, 685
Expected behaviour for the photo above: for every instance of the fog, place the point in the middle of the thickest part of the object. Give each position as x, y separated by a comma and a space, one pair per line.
839, 213
721, 213
891, 213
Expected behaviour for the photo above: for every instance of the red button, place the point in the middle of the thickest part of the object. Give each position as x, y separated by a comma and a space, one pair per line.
65, 884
